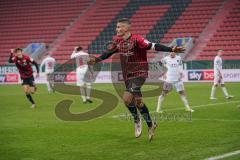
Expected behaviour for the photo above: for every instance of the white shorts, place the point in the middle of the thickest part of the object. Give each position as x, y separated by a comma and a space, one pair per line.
178, 85
83, 76
49, 77
218, 80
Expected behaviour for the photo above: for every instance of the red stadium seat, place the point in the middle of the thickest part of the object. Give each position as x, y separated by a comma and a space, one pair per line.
30, 21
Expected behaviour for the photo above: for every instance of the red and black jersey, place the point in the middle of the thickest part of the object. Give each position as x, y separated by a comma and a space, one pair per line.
24, 65
133, 56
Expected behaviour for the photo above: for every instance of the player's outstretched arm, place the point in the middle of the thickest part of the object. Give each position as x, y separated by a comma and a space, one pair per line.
93, 60
178, 49
160, 47
74, 55
42, 64
111, 48
11, 56
37, 68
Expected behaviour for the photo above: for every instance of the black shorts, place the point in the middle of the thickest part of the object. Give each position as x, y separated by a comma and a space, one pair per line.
28, 81
134, 86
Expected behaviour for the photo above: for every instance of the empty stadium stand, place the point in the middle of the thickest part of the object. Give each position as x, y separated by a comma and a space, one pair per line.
26, 21
88, 27
193, 20
226, 37
169, 12
65, 24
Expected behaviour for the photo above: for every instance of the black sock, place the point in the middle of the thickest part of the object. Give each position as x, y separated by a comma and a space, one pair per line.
145, 113
29, 97
133, 109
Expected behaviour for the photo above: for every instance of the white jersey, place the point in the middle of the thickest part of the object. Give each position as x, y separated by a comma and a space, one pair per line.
217, 66
81, 59
83, 70
174, 68
49, 63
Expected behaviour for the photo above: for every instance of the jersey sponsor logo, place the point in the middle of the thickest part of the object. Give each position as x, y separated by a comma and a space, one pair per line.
22, 63
174, 65
50, 65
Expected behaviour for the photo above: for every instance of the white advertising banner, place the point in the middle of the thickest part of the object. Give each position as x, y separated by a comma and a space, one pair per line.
229, 75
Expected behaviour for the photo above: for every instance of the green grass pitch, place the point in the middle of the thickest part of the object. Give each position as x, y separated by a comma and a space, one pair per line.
37, 134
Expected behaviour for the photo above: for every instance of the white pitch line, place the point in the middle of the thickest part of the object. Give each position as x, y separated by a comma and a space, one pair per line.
224, 155
204, 105
218, 120
197, 106
18, 94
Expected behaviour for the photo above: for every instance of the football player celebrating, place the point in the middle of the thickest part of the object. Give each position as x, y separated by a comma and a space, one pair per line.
173, 77
133, 57
23, 63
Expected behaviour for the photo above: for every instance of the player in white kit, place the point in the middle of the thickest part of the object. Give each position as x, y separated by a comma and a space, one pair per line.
218, 77
84, 73
173, 78
49, 63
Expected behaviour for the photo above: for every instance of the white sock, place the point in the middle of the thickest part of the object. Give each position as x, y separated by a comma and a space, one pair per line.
213, 91
224, 89
82, 92
49, 87
88, 90
185, 101
160, 100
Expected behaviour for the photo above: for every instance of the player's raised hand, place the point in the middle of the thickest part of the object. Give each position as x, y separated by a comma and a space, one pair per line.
12, 50
178, 49
92, 60
75, 48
